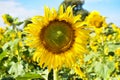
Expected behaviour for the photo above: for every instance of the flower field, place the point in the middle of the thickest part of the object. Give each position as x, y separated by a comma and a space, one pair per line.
59, 46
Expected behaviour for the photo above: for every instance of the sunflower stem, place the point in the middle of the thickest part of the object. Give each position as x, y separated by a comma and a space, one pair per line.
55, 75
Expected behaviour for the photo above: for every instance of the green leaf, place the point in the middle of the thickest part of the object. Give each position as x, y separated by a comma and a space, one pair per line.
111, 67
1, 50
5, 46
112, 47
99, 68
88, 57
104, 70
91, 56
105, 73
2, 55
108, 69
16, 69
14, 44
29, 76
19, 23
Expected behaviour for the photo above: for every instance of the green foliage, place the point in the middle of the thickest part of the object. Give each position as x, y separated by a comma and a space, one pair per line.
27, 76
15, 57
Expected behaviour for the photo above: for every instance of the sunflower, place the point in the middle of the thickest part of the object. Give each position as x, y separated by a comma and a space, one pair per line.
58, 36
1, 32
96, 20
7, 19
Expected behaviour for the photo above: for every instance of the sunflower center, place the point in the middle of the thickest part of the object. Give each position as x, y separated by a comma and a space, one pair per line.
57, 37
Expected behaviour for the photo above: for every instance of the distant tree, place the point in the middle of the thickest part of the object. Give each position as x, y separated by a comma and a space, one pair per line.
78, 9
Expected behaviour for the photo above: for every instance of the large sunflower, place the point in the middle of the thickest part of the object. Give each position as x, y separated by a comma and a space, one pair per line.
58, 37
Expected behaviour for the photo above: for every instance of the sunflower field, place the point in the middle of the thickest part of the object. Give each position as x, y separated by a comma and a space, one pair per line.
63, 44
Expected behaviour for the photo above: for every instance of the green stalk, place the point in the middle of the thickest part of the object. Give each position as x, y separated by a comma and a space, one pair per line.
55, 75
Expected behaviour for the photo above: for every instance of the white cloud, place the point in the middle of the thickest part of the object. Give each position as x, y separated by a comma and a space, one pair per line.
15, 9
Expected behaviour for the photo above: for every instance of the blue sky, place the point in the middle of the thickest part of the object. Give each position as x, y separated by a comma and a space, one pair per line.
27, 8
